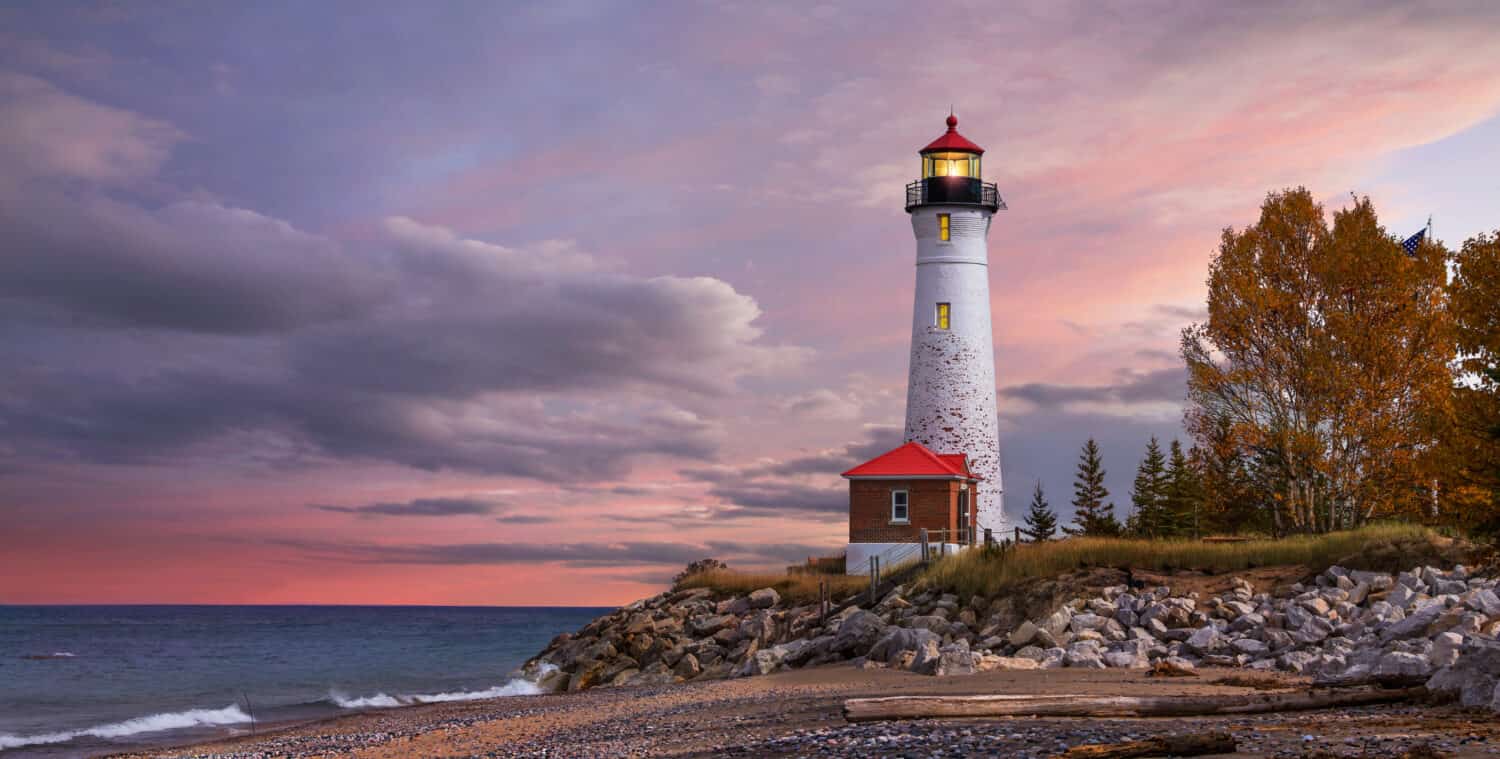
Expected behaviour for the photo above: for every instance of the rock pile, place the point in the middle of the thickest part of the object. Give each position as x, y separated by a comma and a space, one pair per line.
1347, 625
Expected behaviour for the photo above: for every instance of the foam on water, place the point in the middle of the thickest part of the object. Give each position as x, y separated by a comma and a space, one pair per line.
229, 715
516, 687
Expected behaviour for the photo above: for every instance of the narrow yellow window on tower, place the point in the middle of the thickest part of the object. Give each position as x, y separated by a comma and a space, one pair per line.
944, 312
944, 233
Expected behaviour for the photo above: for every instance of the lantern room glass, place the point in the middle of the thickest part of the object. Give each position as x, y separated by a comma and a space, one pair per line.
950, 165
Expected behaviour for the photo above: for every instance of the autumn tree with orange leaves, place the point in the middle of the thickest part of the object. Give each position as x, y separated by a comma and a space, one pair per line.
1324, 360
1470, 458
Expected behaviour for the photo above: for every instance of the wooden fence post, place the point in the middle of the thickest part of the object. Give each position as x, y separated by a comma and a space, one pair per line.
925, 556
989, 537
1018, 534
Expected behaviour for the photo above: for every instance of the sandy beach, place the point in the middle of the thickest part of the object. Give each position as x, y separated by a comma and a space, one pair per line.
798, 713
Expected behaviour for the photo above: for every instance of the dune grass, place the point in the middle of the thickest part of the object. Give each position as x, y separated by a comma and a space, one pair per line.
1372, 547
798, 588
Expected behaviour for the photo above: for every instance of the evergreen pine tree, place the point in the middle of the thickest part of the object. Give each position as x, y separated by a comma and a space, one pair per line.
1184, 492
1091, 515
1041, 523
1148, 496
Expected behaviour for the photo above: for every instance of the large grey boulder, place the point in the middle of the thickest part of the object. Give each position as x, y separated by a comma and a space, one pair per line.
687, 667
1486, 602
759, 626
1359, 593
767, 660
1298, 661
1024, 634
709, 624
1086, 621
956, 659
1034, 653
1125, 660
1085, 654
932, 622
1446, 648
1402, 665
1402, 596
1251, 623
1249, 647
764, 598
1057, 623
858, 633
1414, 624
1475, 679
899, 639
1205, 640
924, 660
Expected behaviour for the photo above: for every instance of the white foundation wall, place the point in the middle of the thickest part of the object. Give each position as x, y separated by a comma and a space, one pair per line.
857, 555
950, 391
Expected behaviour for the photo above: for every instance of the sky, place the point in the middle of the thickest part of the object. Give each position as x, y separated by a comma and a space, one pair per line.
533, 303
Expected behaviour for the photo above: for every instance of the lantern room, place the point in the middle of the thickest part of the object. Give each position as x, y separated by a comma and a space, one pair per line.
951, 155
951, 174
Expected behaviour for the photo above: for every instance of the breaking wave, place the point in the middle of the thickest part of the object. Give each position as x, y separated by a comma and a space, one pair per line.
516, 687
229, 715
385, 701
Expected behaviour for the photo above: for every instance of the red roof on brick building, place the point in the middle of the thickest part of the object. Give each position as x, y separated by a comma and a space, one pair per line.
915, 460
952, 140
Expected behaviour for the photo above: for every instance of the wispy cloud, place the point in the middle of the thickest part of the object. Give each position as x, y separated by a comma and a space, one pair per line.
420, 507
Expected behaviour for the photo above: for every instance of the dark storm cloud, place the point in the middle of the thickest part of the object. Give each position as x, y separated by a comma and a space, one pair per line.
191, 266
420, 507
1159, 385
225, 322
137, 329
622, 554
94, 417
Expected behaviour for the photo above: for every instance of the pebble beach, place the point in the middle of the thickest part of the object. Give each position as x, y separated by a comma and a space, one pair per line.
799, 713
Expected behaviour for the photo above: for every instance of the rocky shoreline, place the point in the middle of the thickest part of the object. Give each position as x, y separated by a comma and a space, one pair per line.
1426, 625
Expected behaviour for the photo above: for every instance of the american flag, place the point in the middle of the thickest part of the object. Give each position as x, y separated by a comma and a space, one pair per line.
1412, 243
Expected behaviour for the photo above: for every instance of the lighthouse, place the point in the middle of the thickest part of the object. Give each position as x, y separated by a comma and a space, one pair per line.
950, 391
941, 488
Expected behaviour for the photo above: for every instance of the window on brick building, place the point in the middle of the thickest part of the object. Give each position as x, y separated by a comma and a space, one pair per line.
899, 510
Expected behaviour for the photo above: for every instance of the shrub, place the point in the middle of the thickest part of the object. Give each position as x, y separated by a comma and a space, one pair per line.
698, 567
1386, 547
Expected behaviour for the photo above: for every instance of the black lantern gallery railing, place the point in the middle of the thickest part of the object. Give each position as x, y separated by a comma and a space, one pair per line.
954, 191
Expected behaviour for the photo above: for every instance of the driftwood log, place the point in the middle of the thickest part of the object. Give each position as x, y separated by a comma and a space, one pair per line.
920, 707
1165, 745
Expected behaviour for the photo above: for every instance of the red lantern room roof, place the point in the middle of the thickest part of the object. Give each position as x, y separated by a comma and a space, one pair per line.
952, 141
915, 460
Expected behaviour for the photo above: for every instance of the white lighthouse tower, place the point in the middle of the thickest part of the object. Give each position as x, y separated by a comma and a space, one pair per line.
950, 392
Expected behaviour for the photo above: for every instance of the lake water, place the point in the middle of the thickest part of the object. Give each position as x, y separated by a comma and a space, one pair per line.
81, 680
